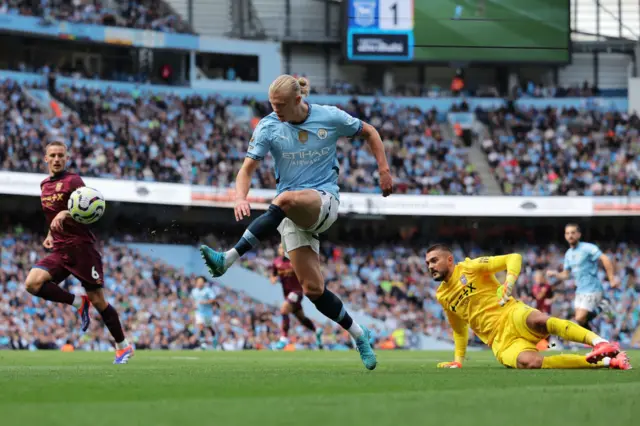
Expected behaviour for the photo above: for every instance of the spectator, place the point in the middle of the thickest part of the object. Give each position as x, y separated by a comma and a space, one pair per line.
564, 152
122, 135
140, 14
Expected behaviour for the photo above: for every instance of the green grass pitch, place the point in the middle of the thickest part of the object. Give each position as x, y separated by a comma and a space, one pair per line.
534, 25
305, 389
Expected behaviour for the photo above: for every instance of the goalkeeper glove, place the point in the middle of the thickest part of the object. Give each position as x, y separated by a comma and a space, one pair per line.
451, 364
505, 290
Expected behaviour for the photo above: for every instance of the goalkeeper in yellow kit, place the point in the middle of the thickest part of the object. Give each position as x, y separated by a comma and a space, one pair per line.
472, 297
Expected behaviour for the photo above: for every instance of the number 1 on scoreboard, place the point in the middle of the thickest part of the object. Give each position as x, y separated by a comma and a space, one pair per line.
395, 14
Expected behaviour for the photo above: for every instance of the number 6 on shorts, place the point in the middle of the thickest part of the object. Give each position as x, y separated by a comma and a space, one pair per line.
85, 263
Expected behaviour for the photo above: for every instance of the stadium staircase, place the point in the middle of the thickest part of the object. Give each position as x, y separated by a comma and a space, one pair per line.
477, 156
187, 260
484, 133
47, 103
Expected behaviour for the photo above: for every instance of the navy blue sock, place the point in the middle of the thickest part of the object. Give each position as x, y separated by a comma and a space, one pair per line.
262, 227
331, 307
590, 317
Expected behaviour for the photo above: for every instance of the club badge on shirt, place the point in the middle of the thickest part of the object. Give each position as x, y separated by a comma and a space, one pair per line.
303, 136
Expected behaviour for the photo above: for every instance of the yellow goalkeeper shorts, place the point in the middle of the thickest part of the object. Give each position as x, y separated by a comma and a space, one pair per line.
514, 336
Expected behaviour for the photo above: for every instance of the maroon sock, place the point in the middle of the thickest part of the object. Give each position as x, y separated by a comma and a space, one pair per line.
53, 293
112, 321
307, 323
286, 322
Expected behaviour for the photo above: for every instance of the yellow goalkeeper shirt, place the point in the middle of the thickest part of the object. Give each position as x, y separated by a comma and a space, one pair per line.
469, 298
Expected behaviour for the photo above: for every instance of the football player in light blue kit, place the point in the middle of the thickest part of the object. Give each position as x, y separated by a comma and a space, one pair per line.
302, 139
581, 263
204, 298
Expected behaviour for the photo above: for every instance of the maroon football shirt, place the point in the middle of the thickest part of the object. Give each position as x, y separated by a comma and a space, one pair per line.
282, 268
544, 294
55, 196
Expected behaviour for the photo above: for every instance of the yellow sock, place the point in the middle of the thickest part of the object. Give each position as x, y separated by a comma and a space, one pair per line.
570, 331
569, 361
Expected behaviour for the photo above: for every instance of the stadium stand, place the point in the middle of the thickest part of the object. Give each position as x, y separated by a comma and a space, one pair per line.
384, 281
563, 152
502, 122
141, 14
388, 282
201, 139
198, 140
153, 299
194, 140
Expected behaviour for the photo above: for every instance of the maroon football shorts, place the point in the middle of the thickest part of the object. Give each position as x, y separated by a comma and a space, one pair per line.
82, 261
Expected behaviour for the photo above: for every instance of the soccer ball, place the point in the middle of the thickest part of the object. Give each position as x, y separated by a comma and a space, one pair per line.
86, 205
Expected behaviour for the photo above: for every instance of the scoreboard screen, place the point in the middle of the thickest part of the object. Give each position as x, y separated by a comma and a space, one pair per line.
525, 31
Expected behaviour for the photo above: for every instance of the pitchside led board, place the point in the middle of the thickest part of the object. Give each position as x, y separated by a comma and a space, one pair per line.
445, 31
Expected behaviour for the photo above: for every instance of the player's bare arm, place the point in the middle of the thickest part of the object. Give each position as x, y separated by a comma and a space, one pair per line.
371, 135
243, 184
296, 213
48, 241
564, 275
57, 224
610, 269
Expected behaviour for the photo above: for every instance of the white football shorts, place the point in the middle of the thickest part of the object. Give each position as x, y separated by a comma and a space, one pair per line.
202, 319
294, 237
587, 301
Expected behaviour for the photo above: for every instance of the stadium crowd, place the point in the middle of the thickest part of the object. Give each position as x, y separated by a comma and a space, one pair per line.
563, 152
384, 281
139, 14
135, 135
528, 89
153, 300
202, 140
388, 282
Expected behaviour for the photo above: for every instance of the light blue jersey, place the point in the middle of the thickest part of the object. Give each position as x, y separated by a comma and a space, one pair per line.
305, 153
582, 262
201, 295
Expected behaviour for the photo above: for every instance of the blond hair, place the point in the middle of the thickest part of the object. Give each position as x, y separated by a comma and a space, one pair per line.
288, 83
55, 143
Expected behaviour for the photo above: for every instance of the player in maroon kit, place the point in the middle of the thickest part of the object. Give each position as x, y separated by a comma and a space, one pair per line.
73, 252
543, 293
293, 294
